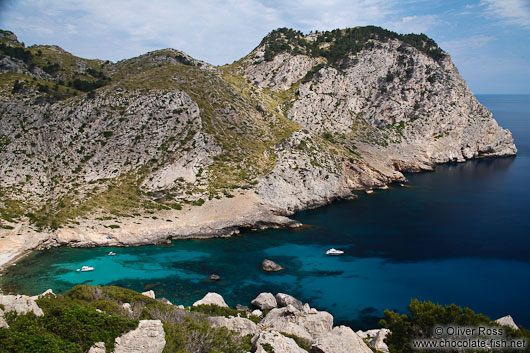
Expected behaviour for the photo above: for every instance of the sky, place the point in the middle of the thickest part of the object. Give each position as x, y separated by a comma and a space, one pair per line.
489, 40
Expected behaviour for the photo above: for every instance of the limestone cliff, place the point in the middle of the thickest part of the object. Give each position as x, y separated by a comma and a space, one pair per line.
94, 146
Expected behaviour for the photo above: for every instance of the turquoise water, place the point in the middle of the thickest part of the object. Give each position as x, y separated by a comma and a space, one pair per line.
457, 235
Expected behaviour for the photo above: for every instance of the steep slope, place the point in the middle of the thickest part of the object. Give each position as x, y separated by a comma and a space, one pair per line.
95, 152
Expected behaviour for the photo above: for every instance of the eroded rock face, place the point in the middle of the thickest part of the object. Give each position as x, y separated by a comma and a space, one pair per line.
211, 299
285, 299
340, 340
265, 301
277, 341
241, 325
507, 321
149, 337
307, 324
22, 304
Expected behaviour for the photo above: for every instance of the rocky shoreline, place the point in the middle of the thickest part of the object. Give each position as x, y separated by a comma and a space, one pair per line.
276, 323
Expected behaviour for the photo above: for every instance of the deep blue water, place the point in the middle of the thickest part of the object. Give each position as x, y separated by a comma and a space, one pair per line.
457, 235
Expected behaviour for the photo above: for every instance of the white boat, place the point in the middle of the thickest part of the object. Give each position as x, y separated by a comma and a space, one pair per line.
334, 251
85, 269
111, 253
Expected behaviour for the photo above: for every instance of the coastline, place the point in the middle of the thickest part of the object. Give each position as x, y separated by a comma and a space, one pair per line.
216, 218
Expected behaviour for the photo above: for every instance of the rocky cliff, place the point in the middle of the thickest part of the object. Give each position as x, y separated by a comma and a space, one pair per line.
149, 148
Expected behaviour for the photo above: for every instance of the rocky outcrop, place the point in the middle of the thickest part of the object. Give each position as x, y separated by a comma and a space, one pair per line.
211, 299
149, 293
241, 325
264, 301
270, 266
149, 337
285, 299
98, 347
340, 340
3, 322
375, 338
21, 304
308, 323
276, 341
507, 321
43, 294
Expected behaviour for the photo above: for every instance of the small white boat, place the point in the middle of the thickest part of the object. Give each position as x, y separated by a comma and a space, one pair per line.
111, 253
85, 269
334, 251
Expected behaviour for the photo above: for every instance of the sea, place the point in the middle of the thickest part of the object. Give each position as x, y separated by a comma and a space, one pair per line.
459, 234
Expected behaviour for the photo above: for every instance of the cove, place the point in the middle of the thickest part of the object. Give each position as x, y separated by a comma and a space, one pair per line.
457, 235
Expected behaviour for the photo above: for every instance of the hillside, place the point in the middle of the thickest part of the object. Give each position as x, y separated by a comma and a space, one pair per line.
165, 146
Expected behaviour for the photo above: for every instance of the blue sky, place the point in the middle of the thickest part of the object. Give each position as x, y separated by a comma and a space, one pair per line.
489, 40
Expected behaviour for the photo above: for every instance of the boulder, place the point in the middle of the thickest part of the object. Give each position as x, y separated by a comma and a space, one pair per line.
98, 347
507, 321
240, 307
211, 299
241, 325
127, 307
375, 338
149, 293
257, 312
277, 341
265, 301
149, 337
3, 322
22, 304
341, 339
286, 299
46, 292
270, 266
165, 301
303, 324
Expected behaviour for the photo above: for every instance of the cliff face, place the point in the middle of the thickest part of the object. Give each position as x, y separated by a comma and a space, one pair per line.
301, 120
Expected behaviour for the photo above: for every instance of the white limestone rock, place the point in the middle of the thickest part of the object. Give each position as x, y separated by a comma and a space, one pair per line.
241, 325
264, 301
507, 321
375, 338
277, 341
341, 339
3, 322
149, 337
98, 347
285, 299
211, 299
22, 304
149, 293
307, 325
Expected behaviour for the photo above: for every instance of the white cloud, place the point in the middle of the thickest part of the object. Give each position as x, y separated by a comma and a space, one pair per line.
459, 46
510, 11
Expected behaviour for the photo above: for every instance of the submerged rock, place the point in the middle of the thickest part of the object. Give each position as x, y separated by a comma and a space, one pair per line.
270, 266
149, 337
214, 277
211, 299
265, 301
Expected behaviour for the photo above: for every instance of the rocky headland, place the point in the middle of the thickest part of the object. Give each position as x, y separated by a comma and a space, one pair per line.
164, 146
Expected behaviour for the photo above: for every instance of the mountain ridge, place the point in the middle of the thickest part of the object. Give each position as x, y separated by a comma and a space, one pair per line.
147, 149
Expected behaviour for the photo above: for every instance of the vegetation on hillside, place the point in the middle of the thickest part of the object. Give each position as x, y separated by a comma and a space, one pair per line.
335, 45
425, 316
